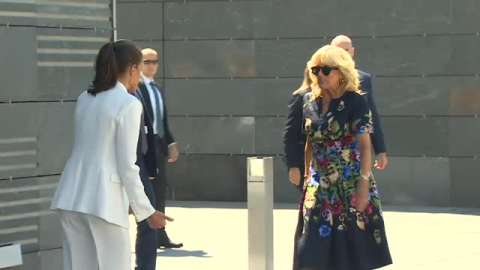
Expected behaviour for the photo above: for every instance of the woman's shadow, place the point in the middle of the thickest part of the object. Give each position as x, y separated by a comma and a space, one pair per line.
183, 253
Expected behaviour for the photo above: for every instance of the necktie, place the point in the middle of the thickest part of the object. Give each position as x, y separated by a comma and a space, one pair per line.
143, 134
158, 110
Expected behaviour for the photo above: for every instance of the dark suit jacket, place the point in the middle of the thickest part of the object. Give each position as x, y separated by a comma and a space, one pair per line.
147, 106
294, 139
148, 161
378, 140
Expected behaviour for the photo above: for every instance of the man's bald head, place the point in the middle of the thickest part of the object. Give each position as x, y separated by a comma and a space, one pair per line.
148, 51
345, 43
150, 62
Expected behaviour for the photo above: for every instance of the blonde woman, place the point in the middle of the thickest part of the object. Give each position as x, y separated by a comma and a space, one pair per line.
340, 221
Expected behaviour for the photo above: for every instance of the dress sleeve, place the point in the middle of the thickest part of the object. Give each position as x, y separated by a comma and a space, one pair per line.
361, 117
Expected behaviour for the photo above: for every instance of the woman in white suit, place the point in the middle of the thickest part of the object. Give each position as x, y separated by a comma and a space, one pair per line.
101, 180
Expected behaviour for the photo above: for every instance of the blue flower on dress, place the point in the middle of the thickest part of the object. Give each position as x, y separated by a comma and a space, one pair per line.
356, 166
314, 179
324, 230
346, 172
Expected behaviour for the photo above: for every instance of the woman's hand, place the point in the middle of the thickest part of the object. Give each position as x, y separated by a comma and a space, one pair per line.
158, 220
362, 195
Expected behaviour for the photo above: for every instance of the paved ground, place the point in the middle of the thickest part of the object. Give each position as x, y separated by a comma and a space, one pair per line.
215, 235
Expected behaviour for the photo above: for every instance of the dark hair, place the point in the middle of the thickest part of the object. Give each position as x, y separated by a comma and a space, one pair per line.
112, 60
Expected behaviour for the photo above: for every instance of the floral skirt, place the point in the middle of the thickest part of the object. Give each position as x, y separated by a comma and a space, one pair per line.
332, 235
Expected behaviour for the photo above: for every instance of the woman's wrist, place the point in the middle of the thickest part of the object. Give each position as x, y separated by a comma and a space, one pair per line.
365, 176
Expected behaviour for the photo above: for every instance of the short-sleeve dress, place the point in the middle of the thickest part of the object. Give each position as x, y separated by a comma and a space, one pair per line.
331, 234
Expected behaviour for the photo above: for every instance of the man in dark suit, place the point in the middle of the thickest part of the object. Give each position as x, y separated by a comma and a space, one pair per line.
146, 242
294, 140
377, 138
165, 146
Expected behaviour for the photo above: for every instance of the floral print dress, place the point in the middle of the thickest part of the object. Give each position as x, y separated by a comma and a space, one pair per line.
331, 234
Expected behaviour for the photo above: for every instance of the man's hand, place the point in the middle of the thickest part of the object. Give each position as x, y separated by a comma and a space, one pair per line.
158, 220
381, 161
173, 153
294, 176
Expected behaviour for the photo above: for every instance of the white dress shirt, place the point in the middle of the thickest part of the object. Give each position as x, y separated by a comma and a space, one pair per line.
151, 93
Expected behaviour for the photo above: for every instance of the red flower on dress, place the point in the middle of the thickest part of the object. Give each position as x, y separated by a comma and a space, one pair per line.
329, 143
347, 139
353, 199
325, 205
324, 162
337, 207
369, 209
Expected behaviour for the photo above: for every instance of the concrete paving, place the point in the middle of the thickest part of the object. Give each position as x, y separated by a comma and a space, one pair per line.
215, 235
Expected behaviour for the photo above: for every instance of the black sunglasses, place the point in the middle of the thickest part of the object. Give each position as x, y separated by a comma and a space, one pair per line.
325, 70
150, 62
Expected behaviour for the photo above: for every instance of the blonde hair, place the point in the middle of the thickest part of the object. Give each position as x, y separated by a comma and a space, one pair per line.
336, 57
307, 81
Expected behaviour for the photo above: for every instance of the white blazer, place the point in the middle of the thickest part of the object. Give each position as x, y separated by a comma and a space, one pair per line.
100, 177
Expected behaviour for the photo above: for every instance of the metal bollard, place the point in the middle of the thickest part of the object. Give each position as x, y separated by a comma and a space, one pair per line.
260, 213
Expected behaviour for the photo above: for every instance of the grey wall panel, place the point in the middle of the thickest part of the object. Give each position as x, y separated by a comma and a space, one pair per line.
260, 58
142, 20
21, 133
59, 78
18, 66
214, 135
65, 60
415, 181
210, 59
209, 177
395, 56
74, 38
25, 215
44, 260
256, 58
465, 185
268, 135
55, 141
236, 97
11, 13
300, 19
316, 18
63, 82
57, 13
415, 136
36, 125
450, 95
74, 14
464, 139
140, 1
216, 19
438, 136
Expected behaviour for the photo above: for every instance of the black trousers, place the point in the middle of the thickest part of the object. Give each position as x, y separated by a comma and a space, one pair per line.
160, 183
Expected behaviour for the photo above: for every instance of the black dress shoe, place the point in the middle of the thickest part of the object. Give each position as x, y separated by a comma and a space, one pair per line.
170, 244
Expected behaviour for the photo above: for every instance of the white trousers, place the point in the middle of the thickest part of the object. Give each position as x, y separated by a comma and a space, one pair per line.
91, 243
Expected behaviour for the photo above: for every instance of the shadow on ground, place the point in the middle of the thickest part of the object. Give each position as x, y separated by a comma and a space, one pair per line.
183, 253
289, 206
